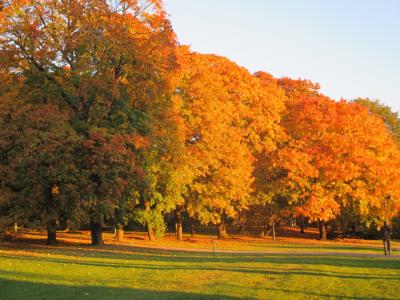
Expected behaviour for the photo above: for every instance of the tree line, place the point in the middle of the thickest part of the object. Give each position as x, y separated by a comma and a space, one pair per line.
106, 118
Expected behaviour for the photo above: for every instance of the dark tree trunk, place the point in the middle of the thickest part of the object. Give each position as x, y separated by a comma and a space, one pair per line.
96, 232
353, 227
322, 230
242, 228
149, 225
302, 225
221, 229
264, 231
119, 234
331, 232
178, 224
192, 228
50, 219
51, 233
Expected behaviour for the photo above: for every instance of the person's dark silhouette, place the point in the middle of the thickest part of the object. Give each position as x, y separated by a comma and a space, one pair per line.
385, 233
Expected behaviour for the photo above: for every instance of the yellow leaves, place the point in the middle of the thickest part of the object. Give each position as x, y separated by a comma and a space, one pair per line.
231, 111
320, 204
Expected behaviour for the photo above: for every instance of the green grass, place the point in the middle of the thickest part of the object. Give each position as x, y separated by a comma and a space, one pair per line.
105, 273
238, 243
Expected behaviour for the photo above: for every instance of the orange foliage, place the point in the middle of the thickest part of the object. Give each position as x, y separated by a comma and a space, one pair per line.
337, 155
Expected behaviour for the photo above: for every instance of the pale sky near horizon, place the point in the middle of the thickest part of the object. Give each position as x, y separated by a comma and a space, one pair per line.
351, 47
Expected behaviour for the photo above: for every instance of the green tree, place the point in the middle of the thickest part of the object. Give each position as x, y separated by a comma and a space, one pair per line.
37, 164
91, 56
390, 117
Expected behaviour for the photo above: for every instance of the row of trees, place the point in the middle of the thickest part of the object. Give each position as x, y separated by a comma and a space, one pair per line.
105, 118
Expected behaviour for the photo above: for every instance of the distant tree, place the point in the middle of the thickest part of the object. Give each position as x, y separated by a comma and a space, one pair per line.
391, 118
337, 155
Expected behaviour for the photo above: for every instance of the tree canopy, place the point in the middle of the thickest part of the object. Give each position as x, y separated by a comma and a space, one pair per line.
106, 119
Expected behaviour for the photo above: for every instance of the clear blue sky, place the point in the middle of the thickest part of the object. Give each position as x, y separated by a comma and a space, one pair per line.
351, 47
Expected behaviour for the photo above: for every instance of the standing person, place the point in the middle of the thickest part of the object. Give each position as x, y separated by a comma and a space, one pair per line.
385, 233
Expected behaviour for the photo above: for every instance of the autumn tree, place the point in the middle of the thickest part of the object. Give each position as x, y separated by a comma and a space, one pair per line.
37, 165
337, 155
93, 57
392, 123
268, 207
229, 116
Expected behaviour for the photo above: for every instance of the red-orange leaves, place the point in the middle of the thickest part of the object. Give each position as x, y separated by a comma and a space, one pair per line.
337, 154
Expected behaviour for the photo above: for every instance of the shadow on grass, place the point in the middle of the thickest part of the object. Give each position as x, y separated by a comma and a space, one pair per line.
138, 254
20, 290
168, 264
305, 293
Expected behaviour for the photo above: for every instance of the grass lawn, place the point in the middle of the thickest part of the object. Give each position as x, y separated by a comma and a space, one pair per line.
79, 271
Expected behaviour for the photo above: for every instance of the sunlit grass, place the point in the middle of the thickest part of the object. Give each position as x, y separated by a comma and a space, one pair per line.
80, 271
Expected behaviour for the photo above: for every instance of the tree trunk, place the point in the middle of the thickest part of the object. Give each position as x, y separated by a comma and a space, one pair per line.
266, 230
323, 233
52, 233
69, 227
273, 229
149, 226
302, 225
221, 229
178, 224
242, 229
150, 232
322, 230
119, 234
331, 232
50, 220
96, 232
192, 228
